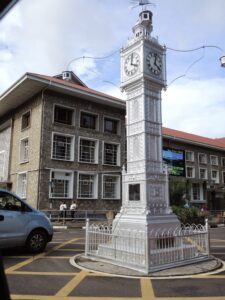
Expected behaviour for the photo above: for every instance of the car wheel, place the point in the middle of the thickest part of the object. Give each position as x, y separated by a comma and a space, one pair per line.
36, 241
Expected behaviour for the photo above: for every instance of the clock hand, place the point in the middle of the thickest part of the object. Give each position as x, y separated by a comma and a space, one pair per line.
131, 59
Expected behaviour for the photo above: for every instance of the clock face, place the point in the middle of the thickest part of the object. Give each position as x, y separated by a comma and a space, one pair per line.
154, 62
131, 64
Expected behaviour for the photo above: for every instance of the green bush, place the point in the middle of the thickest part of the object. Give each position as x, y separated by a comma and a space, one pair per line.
190, 215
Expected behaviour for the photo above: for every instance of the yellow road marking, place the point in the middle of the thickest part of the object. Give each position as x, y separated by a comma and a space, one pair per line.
67, 289
36, 297
31, 259
70, 249
43, 273
147, 289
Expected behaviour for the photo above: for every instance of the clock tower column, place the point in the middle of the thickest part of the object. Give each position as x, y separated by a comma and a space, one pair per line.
145, 200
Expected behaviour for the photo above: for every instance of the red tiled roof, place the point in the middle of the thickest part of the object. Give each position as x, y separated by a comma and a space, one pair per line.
77, 86
167, 132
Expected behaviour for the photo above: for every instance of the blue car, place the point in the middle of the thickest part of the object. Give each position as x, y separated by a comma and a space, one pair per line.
22, 225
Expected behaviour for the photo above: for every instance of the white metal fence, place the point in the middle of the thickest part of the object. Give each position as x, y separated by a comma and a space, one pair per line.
150, 251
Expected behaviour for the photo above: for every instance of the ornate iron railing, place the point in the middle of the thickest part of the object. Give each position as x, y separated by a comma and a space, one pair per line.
150, 251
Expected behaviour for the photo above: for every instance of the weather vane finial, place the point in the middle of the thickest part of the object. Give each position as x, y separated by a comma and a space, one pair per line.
141, 3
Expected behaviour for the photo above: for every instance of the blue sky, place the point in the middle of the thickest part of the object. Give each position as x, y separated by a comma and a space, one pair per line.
44, 36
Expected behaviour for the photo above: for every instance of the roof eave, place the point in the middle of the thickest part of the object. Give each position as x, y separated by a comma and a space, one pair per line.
171, 137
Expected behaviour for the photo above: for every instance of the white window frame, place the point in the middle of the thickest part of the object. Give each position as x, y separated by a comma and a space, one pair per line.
205, 158
66, 107
21, 188
201, 192
72, 146
95, 195
62, 177
192, 156
114, 119
223, 162
206, 175
118, 178
22, 129
193, 171
211, 160
217, 179
96, 151
23, 150
118, 155
90, 113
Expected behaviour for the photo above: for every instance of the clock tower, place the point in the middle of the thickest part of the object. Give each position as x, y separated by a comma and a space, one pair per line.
145, 199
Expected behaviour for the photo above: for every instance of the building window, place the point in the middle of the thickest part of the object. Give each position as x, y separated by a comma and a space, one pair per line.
88, 120
87, 186
88, 151
189, 155
202, 158
111, 186
215, 176
214, 160
63, 115
202, 173
61, 184
24, 151
196, 191
134, 192
62, 147
223, 161
190, 172
25, 120
111, 125
22, 185
223, 177
111, 154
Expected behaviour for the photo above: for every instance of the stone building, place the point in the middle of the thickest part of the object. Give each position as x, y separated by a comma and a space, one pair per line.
199, 163
60, 140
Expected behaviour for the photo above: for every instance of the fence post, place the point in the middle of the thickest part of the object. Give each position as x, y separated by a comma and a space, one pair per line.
87, 237
207, 236
147, 250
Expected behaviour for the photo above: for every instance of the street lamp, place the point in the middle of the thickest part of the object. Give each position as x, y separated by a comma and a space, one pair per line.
222, 61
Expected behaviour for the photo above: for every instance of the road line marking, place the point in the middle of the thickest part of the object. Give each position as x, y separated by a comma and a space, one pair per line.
147, 289
37, 297
67, 289
43, 273
70, 250
33, 258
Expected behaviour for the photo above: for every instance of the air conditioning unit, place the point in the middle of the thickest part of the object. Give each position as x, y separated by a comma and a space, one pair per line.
66, 75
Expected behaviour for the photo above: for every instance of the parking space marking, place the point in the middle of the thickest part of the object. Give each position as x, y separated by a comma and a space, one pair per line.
147, 289
43, 273
67, 289
31, 259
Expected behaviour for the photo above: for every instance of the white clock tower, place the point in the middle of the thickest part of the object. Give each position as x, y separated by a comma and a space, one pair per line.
145, 200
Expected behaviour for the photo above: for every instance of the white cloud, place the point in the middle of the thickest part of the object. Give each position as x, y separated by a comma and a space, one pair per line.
196, 107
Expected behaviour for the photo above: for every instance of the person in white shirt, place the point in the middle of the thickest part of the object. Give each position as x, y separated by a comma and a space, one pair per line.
73, 207
63, 208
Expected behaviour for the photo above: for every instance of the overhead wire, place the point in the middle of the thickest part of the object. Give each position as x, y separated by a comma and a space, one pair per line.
168, 48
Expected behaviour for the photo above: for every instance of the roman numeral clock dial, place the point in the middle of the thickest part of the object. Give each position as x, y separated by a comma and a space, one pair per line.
131, 64
154, 62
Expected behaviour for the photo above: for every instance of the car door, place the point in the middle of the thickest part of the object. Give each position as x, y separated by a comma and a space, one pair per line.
13, 220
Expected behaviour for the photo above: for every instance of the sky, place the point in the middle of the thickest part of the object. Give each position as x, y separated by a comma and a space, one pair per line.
51, 36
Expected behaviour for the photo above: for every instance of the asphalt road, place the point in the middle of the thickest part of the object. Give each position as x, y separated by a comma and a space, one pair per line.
49, 275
